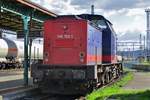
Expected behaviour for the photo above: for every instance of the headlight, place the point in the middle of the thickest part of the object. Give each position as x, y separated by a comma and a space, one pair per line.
82, 55
35, 80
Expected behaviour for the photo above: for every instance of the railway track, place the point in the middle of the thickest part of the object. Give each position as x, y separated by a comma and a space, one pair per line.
16, 93
15, 69
112, 82
77, 97
4, 73
53, 97
36, 97
33, 93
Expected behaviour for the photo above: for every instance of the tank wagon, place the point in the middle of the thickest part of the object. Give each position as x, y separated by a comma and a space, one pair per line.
79, 55
12, 53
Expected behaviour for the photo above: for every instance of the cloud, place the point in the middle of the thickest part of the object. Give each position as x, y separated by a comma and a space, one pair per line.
83, 4
128, 16
115, 4
125, 20
135, 12
61, 7
131, 36
112, 4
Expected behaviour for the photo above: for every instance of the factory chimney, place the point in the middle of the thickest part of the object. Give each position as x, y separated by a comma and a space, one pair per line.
92, 9
148, 32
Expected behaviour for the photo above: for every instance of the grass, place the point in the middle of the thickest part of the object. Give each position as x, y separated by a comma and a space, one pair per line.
146, 63
133, 95
116, 91
102, 93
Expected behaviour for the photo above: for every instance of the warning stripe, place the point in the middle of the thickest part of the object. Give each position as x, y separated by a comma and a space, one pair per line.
93, 58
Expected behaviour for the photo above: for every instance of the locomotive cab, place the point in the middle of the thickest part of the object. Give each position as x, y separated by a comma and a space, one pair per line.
108, 37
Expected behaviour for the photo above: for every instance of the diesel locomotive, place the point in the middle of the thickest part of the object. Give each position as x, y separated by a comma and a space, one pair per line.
79, 55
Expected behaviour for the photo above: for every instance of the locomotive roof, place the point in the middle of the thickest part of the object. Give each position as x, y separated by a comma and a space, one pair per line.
87, 17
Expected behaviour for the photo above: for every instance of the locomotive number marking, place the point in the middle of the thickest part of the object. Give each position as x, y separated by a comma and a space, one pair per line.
65, 36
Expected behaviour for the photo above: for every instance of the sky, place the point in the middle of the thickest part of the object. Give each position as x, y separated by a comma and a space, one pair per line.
128, 16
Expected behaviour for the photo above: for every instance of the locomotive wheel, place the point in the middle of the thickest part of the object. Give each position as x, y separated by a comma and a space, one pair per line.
111, 76
118, 72
103, 79
107, 78
90, 89
121, 69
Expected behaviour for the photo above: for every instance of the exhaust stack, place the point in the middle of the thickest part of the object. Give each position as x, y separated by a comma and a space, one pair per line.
92, 9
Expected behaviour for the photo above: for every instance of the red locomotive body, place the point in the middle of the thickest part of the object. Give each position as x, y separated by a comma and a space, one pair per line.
66, 42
